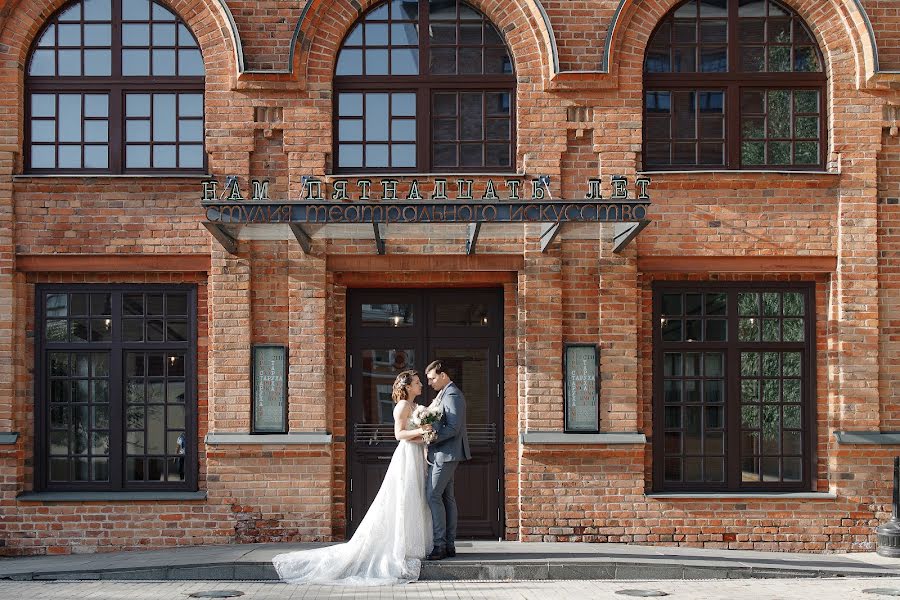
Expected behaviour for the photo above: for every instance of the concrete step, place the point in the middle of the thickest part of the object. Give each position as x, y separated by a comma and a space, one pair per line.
475, 561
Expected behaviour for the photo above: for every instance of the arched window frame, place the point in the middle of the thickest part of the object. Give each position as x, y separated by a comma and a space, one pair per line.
738, 87
180, 92
424, 85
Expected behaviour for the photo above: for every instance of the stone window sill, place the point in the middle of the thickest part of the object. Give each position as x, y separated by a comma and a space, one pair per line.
558, 437
739, 172
109, 496
8, 437
259, 439
867, 437
740, 495
26, 176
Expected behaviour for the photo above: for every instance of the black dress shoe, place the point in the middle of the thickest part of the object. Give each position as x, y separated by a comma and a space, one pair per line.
437, 554
451, 552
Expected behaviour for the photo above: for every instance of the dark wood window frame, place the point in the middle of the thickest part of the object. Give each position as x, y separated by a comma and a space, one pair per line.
424, 85
732, 83
117, 349
732, 348
116, 86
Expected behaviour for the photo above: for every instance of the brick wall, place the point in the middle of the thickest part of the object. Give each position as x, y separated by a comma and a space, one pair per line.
885, 18
889, 278
279, 126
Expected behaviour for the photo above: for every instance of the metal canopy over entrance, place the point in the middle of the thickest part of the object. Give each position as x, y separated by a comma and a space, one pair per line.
327, 205
226, 218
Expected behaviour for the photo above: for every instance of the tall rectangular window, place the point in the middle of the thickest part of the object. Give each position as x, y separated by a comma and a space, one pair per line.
116, 387
734, 368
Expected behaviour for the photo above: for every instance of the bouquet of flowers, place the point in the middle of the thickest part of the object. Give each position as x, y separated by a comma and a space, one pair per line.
427, 415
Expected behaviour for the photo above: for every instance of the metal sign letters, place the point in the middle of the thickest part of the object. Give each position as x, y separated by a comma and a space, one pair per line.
442, 206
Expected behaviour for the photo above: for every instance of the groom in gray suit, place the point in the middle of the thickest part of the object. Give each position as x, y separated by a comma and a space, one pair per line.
445, 453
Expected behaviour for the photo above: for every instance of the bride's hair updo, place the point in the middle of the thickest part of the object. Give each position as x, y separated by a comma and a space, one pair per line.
404, 379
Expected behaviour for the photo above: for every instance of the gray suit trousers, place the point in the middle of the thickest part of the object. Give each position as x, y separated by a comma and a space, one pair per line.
439, 491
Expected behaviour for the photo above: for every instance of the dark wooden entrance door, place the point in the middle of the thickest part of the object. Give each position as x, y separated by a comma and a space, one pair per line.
393, 330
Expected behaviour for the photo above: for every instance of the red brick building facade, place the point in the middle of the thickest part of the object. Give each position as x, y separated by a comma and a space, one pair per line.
747, 338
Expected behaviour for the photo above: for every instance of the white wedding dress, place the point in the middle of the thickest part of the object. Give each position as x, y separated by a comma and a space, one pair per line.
390, 543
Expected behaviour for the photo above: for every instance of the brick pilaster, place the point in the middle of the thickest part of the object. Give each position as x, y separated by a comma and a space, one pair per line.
229, 342
619, 297
540, 337
308, 394
855, 288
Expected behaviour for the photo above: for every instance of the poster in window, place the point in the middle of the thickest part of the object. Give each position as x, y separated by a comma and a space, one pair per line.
581, 389
269, 389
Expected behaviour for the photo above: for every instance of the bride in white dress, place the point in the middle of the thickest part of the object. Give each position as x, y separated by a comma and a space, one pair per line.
395, 535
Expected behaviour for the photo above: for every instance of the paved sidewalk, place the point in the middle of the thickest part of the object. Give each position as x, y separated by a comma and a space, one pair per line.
485, 561
735, 589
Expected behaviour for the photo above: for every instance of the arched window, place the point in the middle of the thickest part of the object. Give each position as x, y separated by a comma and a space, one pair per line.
424, 86
735, 84
114, 86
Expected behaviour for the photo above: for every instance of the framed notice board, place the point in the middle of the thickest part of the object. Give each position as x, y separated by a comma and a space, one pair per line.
581, 388
269, 389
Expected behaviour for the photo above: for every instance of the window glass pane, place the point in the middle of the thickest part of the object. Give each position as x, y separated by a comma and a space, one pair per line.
190, 156
350, 155
164, 157
377, 155
42, 63
164, 118
137, 105
349, 62
393, 315
806, 153
70, 118
376, 34
806, 101
48, 38
713, 60
806, 59
403, 155
350, 105
443, 61
69, 157
69, 62
403, 105
96, 105
136, 10
403, 130
163, 34
43, 157
164, 62
137, 131
97, 35
135, 62
95, 131
137, 156
185, 38
376, 117
43, 131
377, 62
190, 63
135, 34
190, 105
43, 105
161, 13
68, 35
96, 157
190, 130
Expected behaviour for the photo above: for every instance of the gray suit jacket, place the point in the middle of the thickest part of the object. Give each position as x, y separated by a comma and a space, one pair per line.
452, 443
